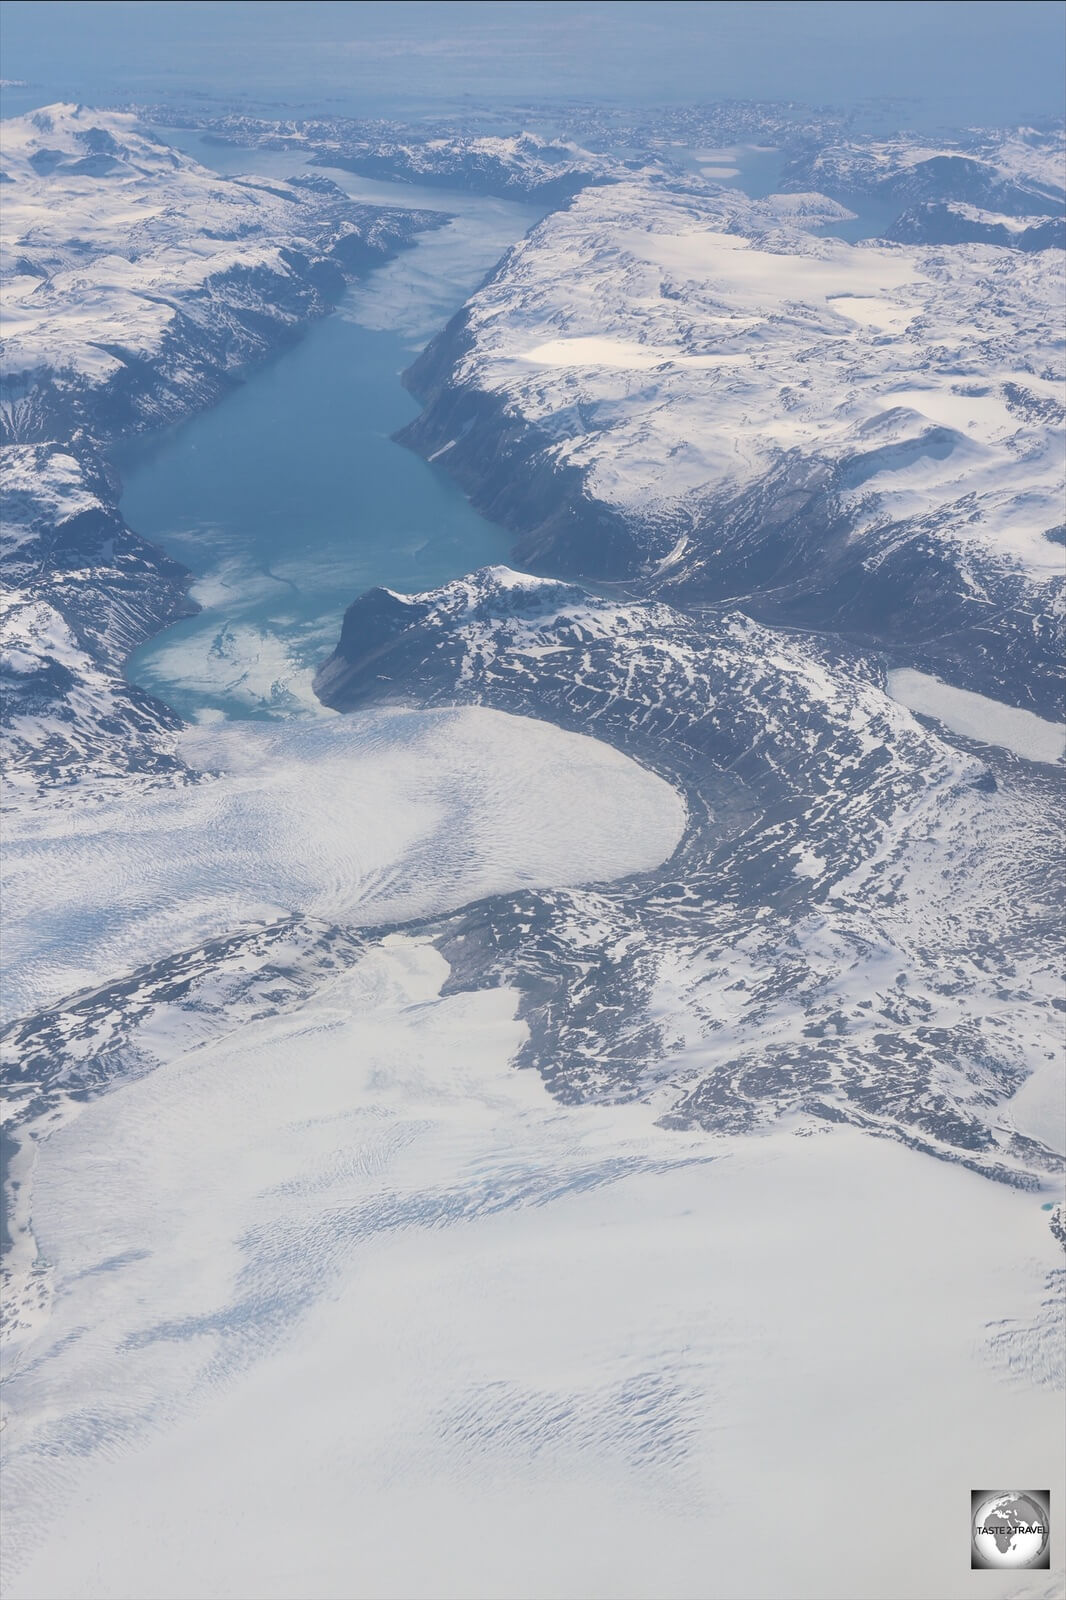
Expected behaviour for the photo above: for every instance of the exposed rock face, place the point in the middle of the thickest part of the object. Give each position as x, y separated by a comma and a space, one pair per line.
954, 222
140, 287
80, 593
1015, 173
831, 928
518, 166
686, 389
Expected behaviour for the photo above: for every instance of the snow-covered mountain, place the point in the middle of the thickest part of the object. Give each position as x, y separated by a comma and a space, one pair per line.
958, 222
137, 283
515, 166
833, 936
1003, 187
1014, 172
137, 287
673, 384
79, 593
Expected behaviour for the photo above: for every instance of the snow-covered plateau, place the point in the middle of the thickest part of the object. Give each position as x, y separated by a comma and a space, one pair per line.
670, 383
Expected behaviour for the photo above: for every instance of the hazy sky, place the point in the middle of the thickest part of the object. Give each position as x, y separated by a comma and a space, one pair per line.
961, 60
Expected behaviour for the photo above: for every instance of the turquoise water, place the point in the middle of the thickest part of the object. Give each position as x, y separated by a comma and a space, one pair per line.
289, 498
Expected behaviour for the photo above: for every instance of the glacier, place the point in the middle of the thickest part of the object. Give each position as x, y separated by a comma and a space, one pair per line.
363, 820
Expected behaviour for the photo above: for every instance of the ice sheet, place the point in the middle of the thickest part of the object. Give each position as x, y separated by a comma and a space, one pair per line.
348, 1307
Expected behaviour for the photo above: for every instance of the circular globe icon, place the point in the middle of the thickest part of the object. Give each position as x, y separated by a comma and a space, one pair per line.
1010, 1530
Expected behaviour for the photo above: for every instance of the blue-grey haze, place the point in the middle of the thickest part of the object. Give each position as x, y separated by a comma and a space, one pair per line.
939, 61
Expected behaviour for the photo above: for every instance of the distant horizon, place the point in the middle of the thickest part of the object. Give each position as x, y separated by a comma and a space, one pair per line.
925, 64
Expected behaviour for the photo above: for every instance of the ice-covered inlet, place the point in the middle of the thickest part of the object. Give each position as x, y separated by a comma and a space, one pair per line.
366, 819
975, 716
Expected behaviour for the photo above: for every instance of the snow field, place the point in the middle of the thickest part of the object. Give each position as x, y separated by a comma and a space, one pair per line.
372, 1316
